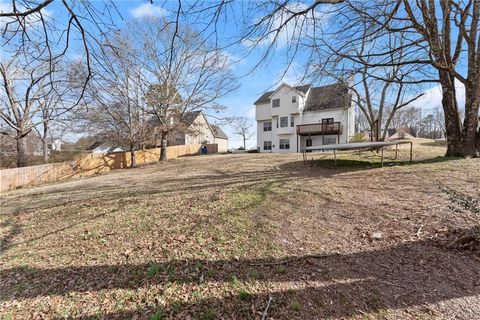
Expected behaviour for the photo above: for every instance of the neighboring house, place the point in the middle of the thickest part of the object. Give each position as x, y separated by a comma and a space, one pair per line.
291, 118
195, 130
8, 144
401, 133
220, 138
104, 148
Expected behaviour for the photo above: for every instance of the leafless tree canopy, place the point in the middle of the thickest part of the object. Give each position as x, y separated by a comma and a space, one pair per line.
186, 72
244, 128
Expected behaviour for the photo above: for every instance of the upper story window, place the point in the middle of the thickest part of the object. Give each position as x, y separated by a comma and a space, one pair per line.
327, 120
292, 121
294, 99
275, 103
267, 126
283, 122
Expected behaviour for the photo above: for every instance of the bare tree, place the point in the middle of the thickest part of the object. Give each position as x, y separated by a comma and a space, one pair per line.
442, 36
27, 24
243, 127
24, 96
449, 30
116, 93
187, 74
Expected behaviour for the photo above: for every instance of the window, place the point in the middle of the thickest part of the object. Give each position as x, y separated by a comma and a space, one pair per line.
292, 121
284, 143
276, 103
283, 122
277, 122
267, 126
267, 145
329, 140
327, 120
294, 99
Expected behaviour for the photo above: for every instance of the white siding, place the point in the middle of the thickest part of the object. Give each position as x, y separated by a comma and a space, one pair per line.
263, 135
338, 115
265, 112
287, 107
262, 112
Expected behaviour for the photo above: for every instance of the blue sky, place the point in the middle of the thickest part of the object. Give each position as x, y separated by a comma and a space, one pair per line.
267, 75
252, 83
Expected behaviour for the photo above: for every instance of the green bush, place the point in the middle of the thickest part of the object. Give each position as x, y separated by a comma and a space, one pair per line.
358, 137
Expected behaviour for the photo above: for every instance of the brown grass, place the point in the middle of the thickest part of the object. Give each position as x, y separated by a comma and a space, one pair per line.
213, 237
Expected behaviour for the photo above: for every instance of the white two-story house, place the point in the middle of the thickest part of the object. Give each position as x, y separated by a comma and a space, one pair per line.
291, 118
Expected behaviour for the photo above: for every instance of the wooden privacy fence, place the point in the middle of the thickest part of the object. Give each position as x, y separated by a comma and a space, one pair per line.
88, 165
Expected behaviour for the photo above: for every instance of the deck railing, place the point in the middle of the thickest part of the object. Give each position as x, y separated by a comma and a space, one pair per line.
319, 128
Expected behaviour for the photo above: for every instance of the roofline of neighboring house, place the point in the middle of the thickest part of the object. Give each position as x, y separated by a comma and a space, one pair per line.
209, 125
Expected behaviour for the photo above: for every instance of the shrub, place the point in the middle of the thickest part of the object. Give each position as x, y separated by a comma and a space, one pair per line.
358, 137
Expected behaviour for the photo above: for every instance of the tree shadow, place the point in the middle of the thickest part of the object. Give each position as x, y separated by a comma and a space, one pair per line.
13, 229
328, 286
352, 165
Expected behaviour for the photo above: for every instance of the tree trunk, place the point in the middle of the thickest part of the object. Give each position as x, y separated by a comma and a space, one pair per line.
45, 136
244, 143
478, 141
372, 131
45, 150
453, 126
163, 146
22, 150
133, 157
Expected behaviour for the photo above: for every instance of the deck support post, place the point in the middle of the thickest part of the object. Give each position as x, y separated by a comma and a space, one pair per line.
335, 157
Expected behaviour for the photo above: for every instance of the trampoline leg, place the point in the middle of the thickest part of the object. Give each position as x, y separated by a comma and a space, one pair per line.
382, 156
411, 151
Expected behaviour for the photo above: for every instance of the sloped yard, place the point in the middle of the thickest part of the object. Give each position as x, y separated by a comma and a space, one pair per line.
228, 236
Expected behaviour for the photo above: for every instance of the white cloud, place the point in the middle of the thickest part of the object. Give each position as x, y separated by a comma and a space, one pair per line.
32, 20
293, 76
432, 97
147, 10
291, 30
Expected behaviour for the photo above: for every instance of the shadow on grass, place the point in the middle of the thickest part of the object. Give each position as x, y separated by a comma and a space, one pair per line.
436, 143
331, 285
372, 162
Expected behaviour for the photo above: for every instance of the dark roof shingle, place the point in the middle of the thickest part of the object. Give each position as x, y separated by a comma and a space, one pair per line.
328, 97
218, 132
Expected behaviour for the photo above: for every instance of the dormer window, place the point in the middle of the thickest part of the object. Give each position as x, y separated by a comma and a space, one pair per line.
294, 99
275, 103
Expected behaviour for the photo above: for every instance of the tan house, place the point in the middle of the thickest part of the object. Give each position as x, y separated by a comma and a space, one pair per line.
197, 130
220, 138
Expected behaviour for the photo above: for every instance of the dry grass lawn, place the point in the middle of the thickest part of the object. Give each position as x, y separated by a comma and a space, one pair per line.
215, 237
